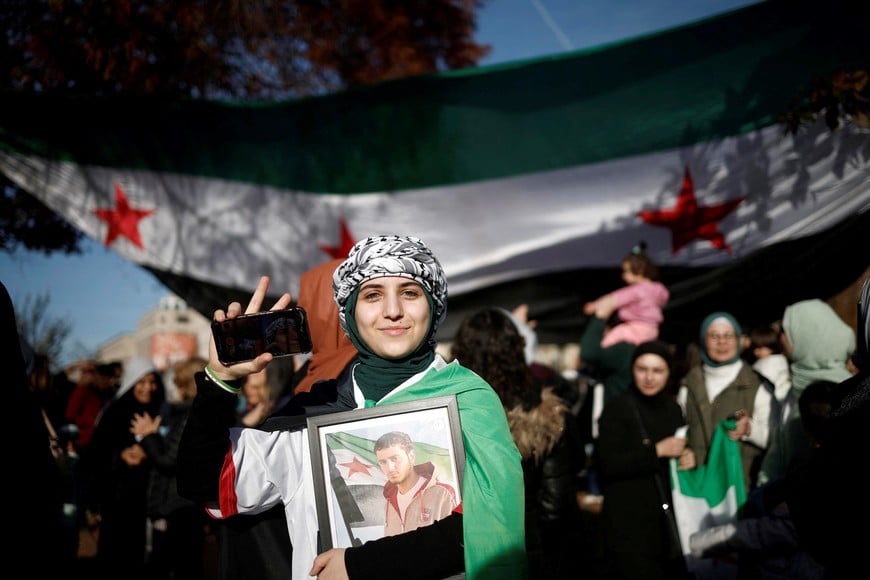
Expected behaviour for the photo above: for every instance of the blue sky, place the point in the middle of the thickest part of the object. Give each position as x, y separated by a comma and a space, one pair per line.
103, 295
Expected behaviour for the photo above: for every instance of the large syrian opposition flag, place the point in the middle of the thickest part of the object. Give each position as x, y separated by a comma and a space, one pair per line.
530, 180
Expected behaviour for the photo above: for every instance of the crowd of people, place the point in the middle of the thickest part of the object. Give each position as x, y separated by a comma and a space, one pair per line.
203, 470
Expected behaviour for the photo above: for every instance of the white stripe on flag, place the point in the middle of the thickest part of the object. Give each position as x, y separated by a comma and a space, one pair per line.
492, 231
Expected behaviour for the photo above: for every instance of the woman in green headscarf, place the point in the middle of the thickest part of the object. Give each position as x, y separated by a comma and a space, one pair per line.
724, 386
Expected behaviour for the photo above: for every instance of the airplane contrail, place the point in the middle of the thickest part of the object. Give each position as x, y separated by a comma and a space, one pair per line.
545, 15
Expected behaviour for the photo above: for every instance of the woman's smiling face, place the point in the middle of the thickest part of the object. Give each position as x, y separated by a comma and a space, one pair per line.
392, 316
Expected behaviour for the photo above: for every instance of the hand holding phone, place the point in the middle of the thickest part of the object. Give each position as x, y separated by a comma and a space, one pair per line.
279, 332
234, 310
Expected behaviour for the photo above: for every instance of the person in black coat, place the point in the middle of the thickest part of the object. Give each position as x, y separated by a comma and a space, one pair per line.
117, 472
178, 524
491, 343
36, 536
635, 443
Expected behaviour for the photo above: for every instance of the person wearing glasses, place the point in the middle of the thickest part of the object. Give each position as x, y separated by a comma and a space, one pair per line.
722, 386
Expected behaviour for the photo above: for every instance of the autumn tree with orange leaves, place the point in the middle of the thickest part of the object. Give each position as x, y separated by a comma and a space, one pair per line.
213, 50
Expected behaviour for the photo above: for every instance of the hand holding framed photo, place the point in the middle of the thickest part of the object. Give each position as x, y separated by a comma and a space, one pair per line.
385, 470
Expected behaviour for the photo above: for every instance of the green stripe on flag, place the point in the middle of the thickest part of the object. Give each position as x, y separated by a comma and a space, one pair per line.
721, 77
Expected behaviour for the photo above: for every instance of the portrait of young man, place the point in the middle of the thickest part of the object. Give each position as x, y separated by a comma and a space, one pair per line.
415, 496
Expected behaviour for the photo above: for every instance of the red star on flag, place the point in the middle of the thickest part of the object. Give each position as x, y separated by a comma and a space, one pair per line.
688, 221
344, 246
123, 220
357, 466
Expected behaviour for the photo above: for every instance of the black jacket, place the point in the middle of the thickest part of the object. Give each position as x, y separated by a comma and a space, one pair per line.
829, 502
162, 451
633, 521
553, 456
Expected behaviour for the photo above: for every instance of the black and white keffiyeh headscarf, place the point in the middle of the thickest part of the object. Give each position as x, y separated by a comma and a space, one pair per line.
375, 257
404, 256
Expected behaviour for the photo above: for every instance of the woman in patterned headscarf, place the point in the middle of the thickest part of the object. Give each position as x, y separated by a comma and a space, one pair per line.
392, 295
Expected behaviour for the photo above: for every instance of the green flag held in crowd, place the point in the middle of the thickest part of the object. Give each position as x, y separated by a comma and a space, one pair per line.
711, 494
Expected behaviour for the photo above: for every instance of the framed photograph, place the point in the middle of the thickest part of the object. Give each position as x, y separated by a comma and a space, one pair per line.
385, 470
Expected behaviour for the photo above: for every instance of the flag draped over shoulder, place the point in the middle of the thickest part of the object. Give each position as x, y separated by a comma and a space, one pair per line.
529, 180
492, 489
710, 494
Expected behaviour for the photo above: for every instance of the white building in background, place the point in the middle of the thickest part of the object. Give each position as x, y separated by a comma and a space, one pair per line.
170, 332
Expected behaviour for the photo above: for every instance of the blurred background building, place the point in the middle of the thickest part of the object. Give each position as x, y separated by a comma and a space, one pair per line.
170, 332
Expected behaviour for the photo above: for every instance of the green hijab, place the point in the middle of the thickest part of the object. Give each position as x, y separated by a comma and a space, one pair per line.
726, 317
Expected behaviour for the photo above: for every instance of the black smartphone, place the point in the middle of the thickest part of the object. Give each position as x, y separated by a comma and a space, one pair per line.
280, 332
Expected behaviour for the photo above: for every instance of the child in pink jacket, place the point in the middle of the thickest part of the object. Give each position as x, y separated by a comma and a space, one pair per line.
639, 303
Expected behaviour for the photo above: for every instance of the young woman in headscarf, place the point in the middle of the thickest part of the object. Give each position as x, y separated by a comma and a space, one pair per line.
391, 293
117, 471
635, 443
724, 386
